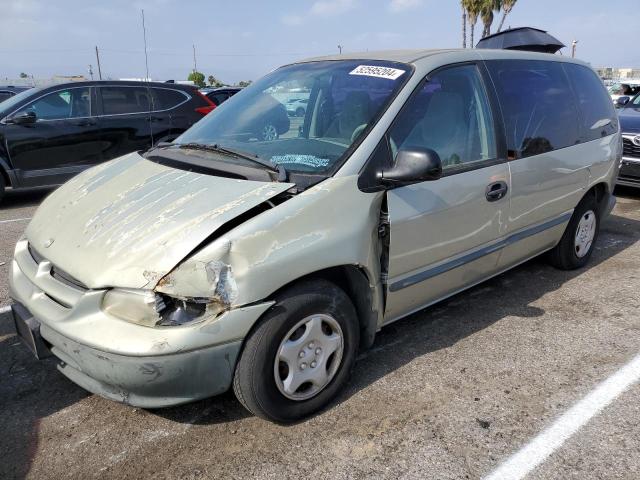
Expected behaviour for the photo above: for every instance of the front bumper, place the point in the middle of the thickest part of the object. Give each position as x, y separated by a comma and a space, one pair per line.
629, 173
148, 382
141, 366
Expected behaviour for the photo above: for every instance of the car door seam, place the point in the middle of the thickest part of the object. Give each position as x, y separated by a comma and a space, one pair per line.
475, 255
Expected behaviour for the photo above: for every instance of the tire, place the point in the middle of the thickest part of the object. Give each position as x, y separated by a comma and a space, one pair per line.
260, 383
300, 112
576, 246
2, 186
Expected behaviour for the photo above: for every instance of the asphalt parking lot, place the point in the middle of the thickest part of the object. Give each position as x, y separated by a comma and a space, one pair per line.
448, 393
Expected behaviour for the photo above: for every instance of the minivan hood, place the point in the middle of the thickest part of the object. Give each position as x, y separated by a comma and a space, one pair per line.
129, 222
629, 120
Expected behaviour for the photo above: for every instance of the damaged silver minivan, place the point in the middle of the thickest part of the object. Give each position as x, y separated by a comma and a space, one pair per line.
229, 258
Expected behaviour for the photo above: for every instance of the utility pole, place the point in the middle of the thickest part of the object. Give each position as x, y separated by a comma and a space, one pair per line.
574, 44
195, 65
98, 60
91, 71
340, 48
144, 34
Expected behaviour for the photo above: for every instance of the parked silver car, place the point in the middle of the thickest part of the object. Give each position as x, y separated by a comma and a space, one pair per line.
222, 260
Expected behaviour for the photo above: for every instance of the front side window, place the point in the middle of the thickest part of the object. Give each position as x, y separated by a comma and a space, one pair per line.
450, 114
5, 95
340, 99
63, 104
599, 118
539, 110
120, 100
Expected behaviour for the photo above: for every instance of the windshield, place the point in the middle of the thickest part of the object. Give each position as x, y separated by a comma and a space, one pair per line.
9, 104
305, 116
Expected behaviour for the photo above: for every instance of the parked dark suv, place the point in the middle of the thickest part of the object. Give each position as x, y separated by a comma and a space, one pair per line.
220, 94
47, 135
8, 91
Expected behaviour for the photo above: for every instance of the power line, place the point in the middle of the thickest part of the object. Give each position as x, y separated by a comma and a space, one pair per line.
195, 64
98, 59
167, 53
144, 33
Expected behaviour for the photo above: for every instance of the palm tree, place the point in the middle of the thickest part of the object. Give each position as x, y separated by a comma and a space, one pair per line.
507, 6
464, 24
486, 12
473, 8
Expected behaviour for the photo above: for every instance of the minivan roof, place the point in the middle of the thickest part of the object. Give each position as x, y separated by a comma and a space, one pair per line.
403, 56
413, 56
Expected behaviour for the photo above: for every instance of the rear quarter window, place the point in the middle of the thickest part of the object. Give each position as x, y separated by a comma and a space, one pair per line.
538, 106
120, 100
598, 116
166, 99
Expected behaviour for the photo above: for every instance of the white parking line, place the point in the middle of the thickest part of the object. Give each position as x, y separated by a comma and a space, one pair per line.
15, 220
552, 438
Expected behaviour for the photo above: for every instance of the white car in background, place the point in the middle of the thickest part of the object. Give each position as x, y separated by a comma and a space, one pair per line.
297, 107
628, 88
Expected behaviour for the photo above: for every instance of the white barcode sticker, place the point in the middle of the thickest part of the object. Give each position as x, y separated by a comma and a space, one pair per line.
375, 71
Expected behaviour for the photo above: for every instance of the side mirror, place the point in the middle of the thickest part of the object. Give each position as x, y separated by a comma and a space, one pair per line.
23, 118
413, 165
622, 101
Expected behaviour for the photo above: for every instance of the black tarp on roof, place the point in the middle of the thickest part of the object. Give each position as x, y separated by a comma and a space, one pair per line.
523, 38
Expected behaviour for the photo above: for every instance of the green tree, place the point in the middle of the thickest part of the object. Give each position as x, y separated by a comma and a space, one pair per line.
507, 6
23, 75
244, 83
214, 82
473, 8
197, 78
486, 13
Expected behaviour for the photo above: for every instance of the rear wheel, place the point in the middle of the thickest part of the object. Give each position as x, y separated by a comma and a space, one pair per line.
577, 243
300, 354
300, 112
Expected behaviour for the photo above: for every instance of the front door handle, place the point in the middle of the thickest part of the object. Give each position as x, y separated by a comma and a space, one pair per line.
496, 191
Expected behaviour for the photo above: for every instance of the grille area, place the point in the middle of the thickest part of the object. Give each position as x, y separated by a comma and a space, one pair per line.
629, 149
630, 171
58, 274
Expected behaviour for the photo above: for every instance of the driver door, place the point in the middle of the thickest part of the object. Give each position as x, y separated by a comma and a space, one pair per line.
443, 233
63, 140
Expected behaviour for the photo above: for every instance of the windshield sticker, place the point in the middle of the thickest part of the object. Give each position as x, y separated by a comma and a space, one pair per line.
380, 72
307, 160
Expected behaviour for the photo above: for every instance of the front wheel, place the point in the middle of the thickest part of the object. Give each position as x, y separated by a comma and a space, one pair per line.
577, 243
300, 354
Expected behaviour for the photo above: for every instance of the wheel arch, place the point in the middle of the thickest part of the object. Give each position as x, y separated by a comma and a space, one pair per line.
355, 282
601, 193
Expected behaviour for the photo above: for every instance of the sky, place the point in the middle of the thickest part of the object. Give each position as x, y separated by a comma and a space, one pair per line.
244, 39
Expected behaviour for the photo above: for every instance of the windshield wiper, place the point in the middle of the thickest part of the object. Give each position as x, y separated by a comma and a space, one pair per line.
279, 169
228, 151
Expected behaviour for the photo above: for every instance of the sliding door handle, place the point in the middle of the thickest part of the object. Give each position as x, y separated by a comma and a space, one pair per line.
495, 191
